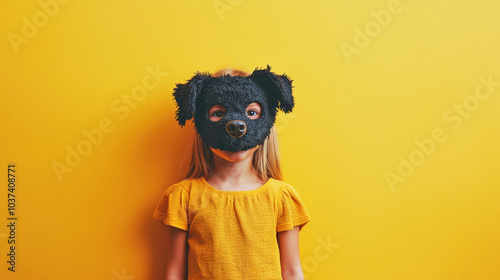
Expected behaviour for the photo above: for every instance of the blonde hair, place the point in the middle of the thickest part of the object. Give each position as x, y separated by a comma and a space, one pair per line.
265, 159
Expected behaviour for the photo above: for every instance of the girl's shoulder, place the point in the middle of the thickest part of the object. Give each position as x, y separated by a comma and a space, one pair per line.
187, 183
282, 184
284, 188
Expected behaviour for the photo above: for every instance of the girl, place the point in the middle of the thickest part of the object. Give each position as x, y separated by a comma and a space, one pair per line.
232, 217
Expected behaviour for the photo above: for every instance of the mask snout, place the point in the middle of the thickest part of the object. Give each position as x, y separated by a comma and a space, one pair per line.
236, 128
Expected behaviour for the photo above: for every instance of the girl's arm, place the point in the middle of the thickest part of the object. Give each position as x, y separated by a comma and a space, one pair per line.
176, 254
288, 242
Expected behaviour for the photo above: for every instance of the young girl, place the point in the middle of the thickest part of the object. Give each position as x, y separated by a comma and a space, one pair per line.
232, 217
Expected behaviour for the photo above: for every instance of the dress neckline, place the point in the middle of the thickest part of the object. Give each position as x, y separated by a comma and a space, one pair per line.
259, 189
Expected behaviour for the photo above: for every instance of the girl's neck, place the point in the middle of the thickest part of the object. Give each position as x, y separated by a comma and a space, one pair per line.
234, 173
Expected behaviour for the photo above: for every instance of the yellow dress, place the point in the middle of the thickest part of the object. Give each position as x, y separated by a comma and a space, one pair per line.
232, 234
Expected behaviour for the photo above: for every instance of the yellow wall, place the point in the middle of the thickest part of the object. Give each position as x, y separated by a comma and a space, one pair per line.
393, 143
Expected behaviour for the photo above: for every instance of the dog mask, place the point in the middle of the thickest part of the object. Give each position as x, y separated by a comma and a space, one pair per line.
235, 131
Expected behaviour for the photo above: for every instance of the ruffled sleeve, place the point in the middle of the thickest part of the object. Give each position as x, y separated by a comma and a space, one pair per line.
172, 207
291, 210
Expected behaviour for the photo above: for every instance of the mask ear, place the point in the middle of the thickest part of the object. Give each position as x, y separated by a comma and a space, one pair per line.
278, 87
186, 94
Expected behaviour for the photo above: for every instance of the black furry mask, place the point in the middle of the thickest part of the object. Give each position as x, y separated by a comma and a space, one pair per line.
235, 131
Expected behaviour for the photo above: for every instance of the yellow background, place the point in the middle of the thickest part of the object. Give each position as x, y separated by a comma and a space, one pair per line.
357, 116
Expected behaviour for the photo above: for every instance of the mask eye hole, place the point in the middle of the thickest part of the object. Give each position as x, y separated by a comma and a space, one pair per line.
216, 112
253, 111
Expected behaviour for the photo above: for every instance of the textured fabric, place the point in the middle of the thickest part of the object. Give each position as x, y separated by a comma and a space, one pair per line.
232, 234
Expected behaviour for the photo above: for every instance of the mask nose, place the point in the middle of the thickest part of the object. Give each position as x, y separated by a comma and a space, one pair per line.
236, 128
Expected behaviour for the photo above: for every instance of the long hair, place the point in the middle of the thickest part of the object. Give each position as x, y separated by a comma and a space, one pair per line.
265, 160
